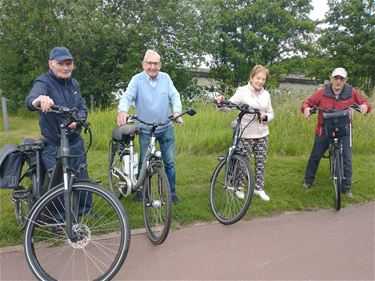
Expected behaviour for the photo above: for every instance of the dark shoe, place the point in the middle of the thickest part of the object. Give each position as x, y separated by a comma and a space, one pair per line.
175, 200
138, 196
306, 185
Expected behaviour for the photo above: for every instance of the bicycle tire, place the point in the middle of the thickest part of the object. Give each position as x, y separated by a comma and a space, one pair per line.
115, 167
157, 205
226, 205
102, 228
337, 177
22, 198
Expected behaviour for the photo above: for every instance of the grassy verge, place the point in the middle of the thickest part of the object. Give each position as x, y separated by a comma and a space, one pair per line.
204, 137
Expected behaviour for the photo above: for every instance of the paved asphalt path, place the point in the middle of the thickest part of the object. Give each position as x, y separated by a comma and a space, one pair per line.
316, 245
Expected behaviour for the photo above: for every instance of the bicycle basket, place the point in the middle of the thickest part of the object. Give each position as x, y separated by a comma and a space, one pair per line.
11, 161
125, 133
336, 124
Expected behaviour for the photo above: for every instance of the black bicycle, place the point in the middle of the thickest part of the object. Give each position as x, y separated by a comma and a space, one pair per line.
232, 183
76, 230
152, 180
336, 125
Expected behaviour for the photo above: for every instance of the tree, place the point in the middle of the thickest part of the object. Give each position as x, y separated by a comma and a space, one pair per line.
255, 32
107, 38
349, 41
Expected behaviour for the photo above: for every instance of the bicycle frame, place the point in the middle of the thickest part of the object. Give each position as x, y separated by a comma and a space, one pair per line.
334, 127
152, 155
62, 165
244, 109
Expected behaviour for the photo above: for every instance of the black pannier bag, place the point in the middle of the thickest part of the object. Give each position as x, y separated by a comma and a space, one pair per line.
11, 161
336, 124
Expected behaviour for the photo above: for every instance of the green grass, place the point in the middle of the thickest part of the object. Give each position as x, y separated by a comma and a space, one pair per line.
199, 143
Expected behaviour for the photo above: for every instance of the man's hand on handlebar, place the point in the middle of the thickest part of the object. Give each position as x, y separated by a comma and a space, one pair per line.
363, 108
307, 112
179, 120
121, 118
43, 103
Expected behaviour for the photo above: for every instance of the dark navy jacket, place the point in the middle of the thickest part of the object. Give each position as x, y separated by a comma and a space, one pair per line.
64, 92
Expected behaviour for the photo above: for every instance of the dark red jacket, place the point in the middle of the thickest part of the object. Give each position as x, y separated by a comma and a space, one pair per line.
325, 98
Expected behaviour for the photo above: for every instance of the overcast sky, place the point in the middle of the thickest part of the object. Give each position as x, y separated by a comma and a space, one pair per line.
320, 8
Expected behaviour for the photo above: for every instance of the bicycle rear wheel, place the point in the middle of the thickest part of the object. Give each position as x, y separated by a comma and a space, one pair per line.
336, 169
22, 197
100, 226
157, 205
231, 189
116, 178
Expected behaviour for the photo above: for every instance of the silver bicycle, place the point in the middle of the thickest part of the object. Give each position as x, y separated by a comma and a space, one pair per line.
151, 179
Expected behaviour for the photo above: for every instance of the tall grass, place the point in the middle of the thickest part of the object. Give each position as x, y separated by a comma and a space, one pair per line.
204, 137
209, 130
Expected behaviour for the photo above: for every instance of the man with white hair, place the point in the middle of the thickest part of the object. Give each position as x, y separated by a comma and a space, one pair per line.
155, 98
336, 95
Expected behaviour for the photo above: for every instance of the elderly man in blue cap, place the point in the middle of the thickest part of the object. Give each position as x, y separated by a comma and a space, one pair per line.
58, 87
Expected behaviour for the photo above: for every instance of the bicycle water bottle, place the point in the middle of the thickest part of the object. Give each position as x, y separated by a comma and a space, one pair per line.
135, 164
126, 160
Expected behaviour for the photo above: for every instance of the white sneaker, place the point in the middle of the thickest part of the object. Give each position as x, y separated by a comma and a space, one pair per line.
240, 193
262, 194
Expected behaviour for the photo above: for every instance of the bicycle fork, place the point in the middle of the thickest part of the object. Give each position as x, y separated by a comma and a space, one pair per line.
68, 178
226, 174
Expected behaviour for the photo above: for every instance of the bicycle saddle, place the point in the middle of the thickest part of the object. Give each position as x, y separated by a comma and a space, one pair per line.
124, 133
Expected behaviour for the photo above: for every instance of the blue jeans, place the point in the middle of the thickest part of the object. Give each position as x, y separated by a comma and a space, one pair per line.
167, 144
49, 155
50, 152
321, 144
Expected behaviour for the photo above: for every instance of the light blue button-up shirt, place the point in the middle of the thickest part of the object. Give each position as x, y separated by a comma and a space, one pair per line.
155, 99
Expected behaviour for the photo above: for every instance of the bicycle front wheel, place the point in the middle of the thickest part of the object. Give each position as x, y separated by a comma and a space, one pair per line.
336, 176
232, 187
157, 205
101, 235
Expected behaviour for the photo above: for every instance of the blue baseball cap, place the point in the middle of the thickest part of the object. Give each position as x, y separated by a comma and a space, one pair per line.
60, 54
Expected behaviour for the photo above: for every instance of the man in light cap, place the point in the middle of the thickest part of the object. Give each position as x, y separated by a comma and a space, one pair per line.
58, 87
334, 96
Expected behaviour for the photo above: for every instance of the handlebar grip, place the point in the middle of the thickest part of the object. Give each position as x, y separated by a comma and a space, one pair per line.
313, 110
356, 107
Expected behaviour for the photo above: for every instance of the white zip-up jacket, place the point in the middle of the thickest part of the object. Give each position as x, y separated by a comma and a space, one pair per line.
256, 99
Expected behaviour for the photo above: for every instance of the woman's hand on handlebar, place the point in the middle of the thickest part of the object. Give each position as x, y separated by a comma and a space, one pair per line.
121, 118
219, 99
43, 103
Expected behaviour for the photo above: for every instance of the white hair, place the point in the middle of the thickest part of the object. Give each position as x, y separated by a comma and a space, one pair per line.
149, 52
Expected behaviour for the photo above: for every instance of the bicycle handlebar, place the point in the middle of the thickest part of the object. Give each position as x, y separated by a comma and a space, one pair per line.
243, 108
354, 106
172, 118
71, 113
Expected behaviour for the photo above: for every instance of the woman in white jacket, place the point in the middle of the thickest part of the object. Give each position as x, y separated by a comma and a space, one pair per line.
255, 136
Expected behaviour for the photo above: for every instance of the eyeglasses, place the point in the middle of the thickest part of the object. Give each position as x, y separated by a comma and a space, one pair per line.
339, 78
153, 63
